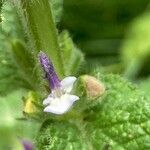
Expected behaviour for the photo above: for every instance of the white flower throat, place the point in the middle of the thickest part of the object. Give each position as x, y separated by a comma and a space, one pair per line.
57, 92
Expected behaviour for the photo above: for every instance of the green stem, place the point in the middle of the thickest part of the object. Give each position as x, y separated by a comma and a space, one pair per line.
38, 17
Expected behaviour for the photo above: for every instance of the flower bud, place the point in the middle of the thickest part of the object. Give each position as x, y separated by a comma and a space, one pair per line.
93, 87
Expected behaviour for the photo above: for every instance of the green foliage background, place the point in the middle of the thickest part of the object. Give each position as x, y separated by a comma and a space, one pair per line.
114, 39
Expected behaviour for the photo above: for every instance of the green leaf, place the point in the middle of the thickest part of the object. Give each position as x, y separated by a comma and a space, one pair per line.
14, 103
11, 26
57, 9
60, 135
9, 79
72, 56
136, 48
39, 24
12, 124
121, 119
1, 4
26, 64
10, 109
118, 120
9, 73
18, 66
144, 85
24, 129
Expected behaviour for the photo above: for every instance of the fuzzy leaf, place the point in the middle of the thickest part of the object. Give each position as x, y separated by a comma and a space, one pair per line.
9, 78
72, 56
57, 8
9, 73
119, 120
60, 135
26, 63
39, 24
145, 85
11, 26
1, 4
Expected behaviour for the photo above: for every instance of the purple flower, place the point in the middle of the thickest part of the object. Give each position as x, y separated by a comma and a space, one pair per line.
27, 145
59, 100
49, 70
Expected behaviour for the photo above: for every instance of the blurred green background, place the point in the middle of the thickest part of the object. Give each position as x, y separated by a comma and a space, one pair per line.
107, 30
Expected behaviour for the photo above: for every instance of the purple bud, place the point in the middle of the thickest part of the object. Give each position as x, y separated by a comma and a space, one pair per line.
27, 145
48, 68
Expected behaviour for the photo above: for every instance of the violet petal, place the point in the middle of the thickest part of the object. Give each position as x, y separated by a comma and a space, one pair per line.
48, 68
27, 145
